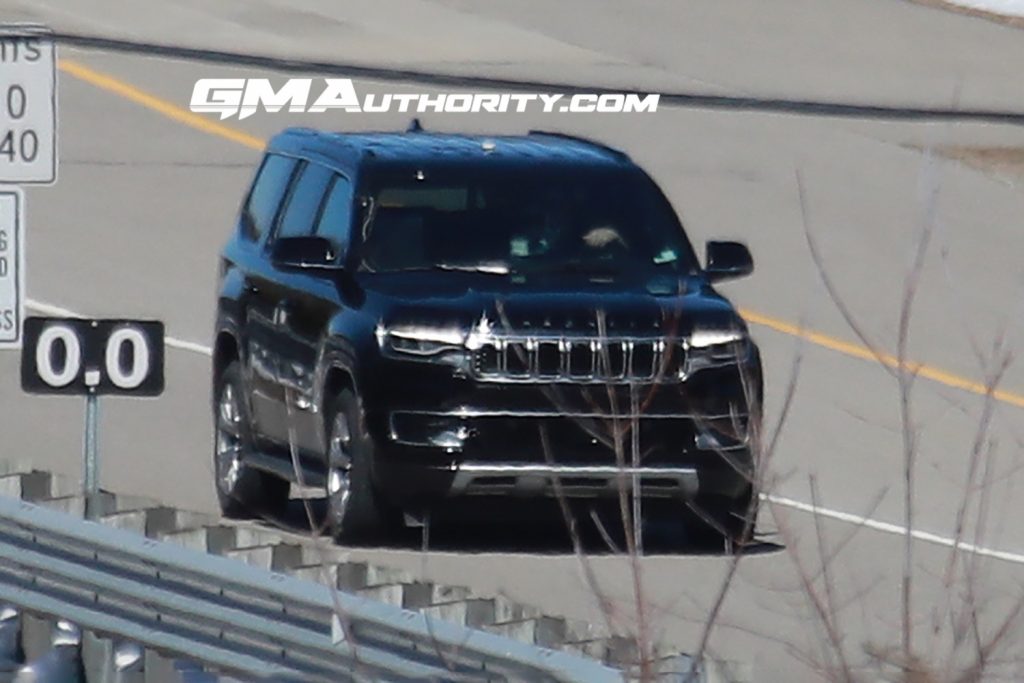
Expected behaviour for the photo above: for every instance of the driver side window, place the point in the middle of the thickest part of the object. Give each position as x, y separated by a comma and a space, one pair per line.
335, 221
301, 209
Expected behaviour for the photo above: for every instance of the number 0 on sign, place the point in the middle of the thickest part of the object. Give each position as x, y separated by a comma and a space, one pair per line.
79, 356
28, 105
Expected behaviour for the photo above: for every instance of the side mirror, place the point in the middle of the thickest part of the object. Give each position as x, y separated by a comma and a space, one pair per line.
304, 252
727, 260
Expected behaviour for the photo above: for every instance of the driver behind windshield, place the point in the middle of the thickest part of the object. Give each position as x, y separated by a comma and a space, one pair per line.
538, 222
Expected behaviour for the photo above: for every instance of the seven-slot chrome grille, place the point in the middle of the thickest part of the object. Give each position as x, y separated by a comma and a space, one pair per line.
579, 360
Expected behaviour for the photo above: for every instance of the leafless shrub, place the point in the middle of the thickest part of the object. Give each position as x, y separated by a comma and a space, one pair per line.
619, 430
965, 640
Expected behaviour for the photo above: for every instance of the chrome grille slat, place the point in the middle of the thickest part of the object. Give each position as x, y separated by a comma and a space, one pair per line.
659, 358
580, 359
627, 362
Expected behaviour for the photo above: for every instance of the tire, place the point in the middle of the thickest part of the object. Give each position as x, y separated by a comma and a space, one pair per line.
717, 519
741, 519
241, 491
355, 511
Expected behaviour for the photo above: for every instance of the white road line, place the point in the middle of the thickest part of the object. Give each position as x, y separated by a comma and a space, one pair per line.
884, 527
50, 309
894, 529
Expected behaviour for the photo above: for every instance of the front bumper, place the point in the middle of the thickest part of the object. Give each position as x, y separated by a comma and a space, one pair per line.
434, 477
440, 436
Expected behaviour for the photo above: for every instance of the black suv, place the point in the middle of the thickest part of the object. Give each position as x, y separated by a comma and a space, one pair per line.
413, 320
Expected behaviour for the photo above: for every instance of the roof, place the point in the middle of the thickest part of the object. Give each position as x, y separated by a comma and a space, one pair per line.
426, 148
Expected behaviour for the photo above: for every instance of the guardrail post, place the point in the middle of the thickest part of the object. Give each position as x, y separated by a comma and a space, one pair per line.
128, 663
36, 635
109, 660
61, 664
10, 639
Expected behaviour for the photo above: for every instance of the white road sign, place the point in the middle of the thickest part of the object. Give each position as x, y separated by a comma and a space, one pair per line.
12, 266
28, 105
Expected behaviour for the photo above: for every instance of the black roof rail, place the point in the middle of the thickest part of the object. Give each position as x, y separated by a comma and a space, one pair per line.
579, 138
301, 130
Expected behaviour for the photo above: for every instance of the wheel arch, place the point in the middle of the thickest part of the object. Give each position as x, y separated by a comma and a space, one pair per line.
225, 351
336, 379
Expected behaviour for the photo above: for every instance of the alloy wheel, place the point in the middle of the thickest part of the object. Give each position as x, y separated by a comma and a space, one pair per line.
228, 440
339, 467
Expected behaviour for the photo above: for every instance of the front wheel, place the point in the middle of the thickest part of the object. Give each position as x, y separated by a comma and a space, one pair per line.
355, 511
732, 520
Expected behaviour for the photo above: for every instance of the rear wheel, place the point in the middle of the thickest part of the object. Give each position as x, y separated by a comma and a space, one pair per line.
241, 490
355, 511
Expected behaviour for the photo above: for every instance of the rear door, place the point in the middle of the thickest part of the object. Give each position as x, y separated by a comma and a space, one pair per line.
260, 291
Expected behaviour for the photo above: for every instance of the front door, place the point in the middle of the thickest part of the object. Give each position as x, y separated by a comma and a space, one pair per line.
296, 314
312, 300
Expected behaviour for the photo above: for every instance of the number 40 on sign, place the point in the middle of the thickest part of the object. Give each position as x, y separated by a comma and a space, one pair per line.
28, 105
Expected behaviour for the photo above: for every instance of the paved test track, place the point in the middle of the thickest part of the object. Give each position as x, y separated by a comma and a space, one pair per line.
147, 192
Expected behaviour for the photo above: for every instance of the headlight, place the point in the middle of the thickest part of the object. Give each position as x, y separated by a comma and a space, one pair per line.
419, 347
717, 347
419, 341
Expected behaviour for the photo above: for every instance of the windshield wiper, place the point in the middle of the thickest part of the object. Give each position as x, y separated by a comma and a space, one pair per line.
491, 267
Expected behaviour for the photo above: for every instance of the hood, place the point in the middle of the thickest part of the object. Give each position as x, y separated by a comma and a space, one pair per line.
636, 305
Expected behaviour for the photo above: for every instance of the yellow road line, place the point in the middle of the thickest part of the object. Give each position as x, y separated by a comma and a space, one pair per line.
206, 125
157, 104
864, 353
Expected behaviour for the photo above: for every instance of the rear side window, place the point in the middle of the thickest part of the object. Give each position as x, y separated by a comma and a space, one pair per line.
265, 197
304, 202
336, 218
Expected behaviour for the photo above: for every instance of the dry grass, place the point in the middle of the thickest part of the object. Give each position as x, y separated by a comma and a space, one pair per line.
1016, 22
1004, 162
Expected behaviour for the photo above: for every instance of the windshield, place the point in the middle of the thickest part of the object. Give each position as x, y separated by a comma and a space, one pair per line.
524, 220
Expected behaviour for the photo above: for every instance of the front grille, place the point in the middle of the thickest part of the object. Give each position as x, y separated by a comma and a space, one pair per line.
581, 360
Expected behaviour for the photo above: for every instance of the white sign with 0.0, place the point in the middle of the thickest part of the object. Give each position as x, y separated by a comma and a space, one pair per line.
12, 266
28, 105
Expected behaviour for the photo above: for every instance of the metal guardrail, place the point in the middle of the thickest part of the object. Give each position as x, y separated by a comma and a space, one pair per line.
243, 620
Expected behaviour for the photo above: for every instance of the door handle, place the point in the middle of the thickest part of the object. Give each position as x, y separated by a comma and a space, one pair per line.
281, 313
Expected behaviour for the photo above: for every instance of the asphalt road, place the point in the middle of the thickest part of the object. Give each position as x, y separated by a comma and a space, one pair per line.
147, 193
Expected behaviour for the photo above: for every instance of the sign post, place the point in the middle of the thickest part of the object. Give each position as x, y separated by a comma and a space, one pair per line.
92, 357
91, 475
92, 466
